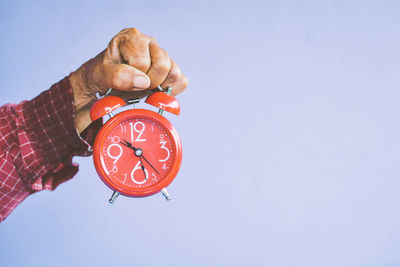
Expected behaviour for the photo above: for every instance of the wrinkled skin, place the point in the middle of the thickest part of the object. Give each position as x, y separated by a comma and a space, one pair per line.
132, 63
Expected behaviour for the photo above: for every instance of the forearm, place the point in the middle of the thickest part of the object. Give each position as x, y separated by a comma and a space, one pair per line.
38, 141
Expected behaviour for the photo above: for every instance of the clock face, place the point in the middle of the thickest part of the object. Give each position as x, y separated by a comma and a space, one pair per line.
137, 152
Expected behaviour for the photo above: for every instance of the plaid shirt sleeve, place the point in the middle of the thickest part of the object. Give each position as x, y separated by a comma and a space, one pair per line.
37, 142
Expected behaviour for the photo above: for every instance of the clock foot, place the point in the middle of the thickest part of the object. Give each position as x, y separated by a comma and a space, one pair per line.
166, 194
113, 197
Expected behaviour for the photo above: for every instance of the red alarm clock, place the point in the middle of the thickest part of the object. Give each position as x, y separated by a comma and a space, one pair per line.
137, 152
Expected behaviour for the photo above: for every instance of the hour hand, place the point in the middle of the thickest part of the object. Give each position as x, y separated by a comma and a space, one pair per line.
144, 172
138, 151
126, 143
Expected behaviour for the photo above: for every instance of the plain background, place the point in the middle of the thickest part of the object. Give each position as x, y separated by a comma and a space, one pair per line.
290, 129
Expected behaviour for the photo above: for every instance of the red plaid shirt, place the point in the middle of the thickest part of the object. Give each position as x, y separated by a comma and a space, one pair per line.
37, 142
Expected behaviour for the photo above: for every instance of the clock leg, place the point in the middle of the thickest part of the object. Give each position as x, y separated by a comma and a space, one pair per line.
113, 197
165, 193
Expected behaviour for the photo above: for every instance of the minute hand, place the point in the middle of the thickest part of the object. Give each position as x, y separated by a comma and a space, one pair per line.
149, 164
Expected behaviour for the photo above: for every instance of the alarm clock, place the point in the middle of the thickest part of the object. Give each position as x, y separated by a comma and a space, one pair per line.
137, 152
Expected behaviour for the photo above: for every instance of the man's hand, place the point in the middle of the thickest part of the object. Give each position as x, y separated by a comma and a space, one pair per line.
132, 63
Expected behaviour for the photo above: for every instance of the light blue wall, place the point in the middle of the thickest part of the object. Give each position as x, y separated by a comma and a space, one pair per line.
290, 131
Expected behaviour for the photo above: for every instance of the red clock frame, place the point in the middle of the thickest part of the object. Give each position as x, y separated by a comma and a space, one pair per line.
114, 122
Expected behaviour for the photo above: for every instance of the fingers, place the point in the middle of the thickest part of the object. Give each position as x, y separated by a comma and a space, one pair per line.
175, 79
164, 71
126, 78
134, 49
160, 65
131, 55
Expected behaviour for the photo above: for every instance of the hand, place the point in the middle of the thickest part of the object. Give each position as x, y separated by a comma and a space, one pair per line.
131, 63
143, 169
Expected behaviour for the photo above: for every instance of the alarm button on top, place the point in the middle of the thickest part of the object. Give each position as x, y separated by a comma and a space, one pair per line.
164, 101
104, 106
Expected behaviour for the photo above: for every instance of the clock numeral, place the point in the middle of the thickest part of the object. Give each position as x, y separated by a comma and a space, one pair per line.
140, 130
138, 168
162, 142
154, 176
123, 128
164, 167
114, 169
125, 175
115, 158
115, 139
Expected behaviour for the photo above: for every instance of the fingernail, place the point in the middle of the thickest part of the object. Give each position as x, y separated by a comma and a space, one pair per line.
141, 81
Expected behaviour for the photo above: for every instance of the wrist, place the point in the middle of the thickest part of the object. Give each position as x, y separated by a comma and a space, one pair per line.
79, 88
83, 97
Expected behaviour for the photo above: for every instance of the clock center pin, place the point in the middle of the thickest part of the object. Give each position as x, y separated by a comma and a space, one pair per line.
138, 152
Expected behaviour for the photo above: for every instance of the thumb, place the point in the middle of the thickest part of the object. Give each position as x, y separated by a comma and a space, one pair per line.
126, 78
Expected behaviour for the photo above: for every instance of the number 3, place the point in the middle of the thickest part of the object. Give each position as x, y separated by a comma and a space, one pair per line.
162, 142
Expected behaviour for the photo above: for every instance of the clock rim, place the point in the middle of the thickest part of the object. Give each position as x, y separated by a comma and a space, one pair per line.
111, 124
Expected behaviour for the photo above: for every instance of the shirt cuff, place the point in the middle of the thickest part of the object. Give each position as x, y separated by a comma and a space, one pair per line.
51, 139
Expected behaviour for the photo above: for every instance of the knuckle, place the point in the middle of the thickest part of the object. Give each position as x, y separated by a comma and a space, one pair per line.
161, 66
114, 41
128, 34
133, 31
174, 76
